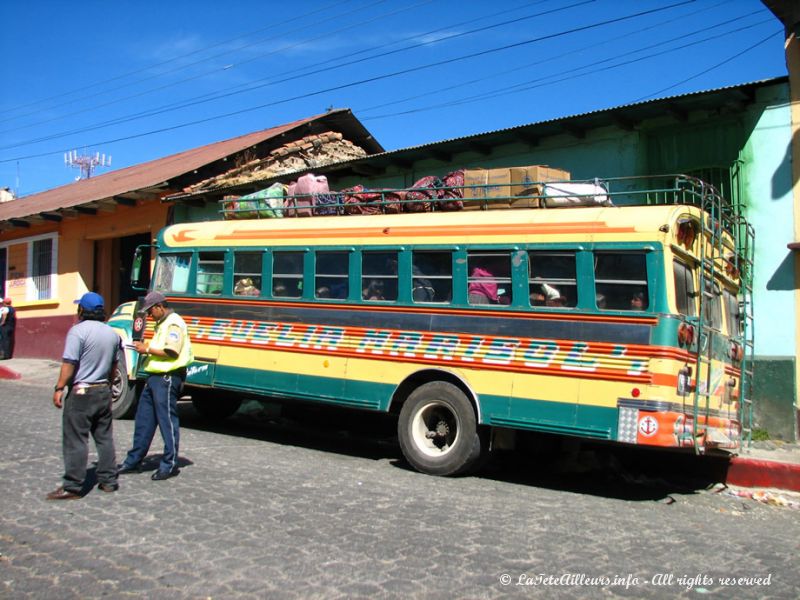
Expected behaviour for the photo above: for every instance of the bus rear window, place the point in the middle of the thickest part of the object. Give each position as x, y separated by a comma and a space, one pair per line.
712, 304
551, 279
210, 273
287, 274
172, 273
732, 315
685, 292
621, 280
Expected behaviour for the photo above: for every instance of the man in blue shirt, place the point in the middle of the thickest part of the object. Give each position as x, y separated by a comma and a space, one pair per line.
90, 354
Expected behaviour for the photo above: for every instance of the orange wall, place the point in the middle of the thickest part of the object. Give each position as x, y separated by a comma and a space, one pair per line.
45, 321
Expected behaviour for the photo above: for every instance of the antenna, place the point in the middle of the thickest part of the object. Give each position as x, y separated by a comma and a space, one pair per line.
86, 163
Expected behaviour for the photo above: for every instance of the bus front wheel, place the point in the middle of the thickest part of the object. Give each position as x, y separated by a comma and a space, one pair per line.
438, 430
123, 392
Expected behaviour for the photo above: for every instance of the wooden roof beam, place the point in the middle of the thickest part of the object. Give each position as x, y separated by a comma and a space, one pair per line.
19, 223
125, 201
86, 210
50, 216
574, 130
367, 170
677, 113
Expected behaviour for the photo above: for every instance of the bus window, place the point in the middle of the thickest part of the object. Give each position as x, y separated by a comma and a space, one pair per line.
489, 280
172, 273
331, 275
732, 316
432, 276
685, 292
210, 271
551, 279
712, 305
379, 276
247, 273
287, 274
621, 280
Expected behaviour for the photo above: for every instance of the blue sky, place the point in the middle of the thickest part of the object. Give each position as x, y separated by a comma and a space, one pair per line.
145, 79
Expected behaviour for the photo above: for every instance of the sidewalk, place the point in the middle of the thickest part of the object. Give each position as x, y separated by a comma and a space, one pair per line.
770, 464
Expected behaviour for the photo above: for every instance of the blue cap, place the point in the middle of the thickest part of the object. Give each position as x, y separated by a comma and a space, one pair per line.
90, 301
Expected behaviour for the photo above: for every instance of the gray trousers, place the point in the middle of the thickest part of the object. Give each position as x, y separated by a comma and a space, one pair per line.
85, 413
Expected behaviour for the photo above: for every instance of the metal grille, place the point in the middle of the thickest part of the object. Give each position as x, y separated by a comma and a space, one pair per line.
42, 268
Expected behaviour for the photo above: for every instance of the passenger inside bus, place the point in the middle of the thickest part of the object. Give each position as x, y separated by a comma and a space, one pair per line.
482, 287
638, 301
245, 287
374, 290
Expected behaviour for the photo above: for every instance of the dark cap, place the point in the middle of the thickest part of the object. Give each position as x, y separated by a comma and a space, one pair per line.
152, 299
90, 301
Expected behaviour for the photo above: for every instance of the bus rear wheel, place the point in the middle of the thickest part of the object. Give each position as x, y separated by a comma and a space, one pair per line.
438, 430
214, 408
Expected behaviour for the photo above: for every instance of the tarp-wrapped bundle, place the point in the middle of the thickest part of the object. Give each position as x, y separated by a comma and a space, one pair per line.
263, 204
565, 195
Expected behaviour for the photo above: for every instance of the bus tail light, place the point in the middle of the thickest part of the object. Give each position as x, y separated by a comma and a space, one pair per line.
736, 352
685, 334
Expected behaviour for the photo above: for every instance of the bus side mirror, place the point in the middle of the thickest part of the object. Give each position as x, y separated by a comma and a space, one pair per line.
138, 281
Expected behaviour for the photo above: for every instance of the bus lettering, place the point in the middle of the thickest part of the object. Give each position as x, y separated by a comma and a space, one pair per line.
444, 345
374, 342
406, 344
539, 354
501, 351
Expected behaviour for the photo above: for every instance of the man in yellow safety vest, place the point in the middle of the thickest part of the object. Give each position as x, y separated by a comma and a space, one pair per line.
167, 355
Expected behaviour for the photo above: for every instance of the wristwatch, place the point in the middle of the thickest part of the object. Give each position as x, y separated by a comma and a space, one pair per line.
58, 389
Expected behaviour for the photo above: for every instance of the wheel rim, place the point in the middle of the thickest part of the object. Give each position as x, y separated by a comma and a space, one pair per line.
435, 429
116, 387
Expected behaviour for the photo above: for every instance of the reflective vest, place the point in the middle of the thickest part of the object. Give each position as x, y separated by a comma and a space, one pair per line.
170, 332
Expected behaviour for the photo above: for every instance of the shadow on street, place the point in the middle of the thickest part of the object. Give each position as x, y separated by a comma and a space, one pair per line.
539, 460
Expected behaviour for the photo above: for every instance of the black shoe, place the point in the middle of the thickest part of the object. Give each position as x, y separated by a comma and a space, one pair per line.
108, 487
162, 475
123, 470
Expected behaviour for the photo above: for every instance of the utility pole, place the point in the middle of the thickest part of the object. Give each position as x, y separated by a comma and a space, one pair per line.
86, 163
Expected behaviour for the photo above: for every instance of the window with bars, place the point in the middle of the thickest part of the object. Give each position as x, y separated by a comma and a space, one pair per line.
42, 268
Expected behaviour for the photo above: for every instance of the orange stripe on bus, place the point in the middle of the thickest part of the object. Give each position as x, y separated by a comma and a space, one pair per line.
422, 231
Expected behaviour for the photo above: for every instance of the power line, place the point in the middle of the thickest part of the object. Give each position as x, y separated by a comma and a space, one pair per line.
593, 46
248, 87
716, 66
213, 71
378, 77
192, 53
543, 81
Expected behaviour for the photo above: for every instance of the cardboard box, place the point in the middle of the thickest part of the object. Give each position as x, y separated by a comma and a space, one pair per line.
500, 187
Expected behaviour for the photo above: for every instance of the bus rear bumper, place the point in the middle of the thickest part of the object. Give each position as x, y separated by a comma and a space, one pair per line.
650, 423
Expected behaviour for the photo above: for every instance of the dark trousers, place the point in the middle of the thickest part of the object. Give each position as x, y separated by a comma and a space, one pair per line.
88, 411
158, 406
6, 342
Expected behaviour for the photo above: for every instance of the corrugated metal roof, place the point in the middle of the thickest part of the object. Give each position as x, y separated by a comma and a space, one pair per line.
600, 111
155, 173
622, 115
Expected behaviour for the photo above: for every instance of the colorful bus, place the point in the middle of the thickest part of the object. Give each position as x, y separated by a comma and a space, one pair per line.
630, 323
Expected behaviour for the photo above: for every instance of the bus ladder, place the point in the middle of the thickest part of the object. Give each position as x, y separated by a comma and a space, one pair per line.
744, 263
712, 251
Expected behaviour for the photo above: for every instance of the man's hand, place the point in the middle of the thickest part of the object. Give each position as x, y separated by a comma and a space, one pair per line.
58, 398
140, 347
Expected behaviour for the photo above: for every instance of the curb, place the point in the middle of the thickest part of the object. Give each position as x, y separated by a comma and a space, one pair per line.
6, 373
749, 472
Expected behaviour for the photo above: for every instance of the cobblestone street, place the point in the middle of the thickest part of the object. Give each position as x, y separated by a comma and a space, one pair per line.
270, 509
